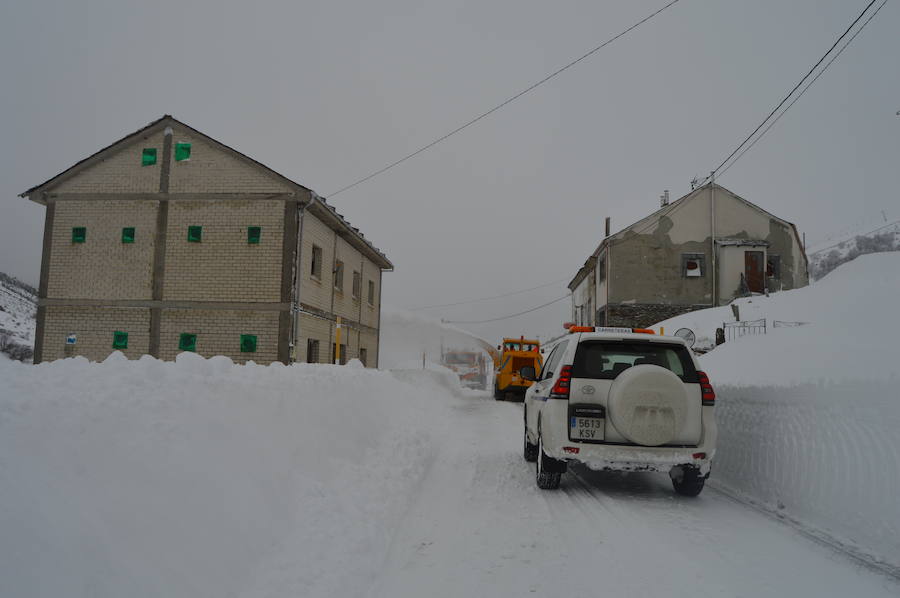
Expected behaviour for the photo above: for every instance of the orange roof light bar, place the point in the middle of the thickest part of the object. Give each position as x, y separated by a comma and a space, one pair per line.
575, 329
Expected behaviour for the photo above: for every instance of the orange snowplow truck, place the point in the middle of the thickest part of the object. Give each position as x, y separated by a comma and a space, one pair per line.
515, 353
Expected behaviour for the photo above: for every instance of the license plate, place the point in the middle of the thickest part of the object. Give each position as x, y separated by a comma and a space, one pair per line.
586, 429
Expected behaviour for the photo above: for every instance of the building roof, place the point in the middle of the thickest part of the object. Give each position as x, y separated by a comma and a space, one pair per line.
317, 204
663, 211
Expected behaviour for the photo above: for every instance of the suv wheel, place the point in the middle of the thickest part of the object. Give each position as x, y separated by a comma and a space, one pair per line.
687, 481
546, 480
530, 451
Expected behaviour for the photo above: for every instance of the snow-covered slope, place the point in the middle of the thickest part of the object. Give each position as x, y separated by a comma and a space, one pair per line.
18, 304
885, 238
809, 416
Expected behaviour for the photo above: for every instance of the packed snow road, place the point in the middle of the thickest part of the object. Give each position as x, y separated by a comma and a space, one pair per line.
478, 526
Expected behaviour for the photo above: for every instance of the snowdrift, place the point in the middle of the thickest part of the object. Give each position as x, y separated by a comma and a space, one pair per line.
809, 416
407, 337
200, 477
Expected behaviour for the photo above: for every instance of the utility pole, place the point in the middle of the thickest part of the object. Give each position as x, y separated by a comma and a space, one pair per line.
712, 219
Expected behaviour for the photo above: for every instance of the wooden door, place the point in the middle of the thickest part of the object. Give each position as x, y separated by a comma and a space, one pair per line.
755, 271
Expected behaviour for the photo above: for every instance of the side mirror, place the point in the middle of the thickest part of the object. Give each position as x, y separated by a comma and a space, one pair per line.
528, 373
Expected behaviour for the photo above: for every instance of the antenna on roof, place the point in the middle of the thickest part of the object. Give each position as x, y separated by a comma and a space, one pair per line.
664, 199
694, 182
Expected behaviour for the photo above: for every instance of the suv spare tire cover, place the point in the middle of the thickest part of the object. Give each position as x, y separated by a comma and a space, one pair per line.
648, 404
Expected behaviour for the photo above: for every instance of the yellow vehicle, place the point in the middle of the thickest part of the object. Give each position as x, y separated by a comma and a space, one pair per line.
515, 353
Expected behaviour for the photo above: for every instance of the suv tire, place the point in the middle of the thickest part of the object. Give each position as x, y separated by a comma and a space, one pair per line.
689, 483
546, 480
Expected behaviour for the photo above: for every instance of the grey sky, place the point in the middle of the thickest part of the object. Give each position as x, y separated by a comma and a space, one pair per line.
327, 92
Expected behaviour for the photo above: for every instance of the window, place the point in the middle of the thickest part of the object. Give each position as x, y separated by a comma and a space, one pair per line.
553, 360
363, 356
182, 151
316, 270
128, 234
339, 276
248, 343
253, 235
148, 156
606, 360
693, 265
79, 234
187, 342
371, 292
343, 359
120, 340
773, 266
357, 284
195, 234
312, 350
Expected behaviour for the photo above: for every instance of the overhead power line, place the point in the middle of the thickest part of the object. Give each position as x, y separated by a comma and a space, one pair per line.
501, 104
808, 85
509, 294
521, 313
791, 93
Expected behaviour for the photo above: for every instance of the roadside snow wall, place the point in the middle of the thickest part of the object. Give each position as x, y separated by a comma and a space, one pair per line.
826, 456
809, 416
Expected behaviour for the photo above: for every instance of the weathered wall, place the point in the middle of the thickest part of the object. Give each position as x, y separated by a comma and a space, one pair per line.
637, 315
102, 267
316, 291
584, 302
94, 327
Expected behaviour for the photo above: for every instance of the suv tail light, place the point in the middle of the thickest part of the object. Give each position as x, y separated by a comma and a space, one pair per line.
707, 393
560, 390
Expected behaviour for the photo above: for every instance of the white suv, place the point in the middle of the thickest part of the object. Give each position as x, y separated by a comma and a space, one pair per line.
619, 399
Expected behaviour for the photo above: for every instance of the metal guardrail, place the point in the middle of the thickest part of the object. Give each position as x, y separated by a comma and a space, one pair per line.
735, 330
783, 324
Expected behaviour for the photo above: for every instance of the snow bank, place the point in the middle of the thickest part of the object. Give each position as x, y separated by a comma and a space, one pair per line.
809, 417
202, 478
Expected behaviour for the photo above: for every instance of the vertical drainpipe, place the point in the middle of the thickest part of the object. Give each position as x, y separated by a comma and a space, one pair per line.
712, 219
608, 282
378, 330
362, 265
331, 330
298, 281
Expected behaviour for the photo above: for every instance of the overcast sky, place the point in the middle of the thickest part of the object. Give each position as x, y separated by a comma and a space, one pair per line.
327, 92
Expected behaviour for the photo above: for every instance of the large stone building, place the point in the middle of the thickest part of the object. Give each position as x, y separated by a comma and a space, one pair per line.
170, 241
700, 251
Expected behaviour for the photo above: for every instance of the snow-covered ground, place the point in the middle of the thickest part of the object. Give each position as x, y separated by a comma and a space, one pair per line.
204, 478
809, 416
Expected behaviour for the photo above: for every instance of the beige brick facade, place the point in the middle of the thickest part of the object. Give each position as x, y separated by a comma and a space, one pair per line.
223, 266
120, 172
218, 288
212, 170
102, 267
93, 328
219, 333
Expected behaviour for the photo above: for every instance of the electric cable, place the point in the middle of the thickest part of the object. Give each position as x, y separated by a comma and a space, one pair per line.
521, 313
808, 85
501, 104
509, 294
788, 96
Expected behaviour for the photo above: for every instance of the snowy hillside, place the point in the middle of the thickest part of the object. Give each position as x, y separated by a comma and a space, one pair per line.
822, 261
18, 304
809, 416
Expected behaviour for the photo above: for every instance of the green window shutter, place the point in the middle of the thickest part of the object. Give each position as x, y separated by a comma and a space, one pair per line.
79, 234
128, 234
120, 340
248, 343
253, 234
195, 234
187, 342
182, 151
148, 156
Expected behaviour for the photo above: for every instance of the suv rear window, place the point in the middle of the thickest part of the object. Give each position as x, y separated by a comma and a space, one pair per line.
605, 360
